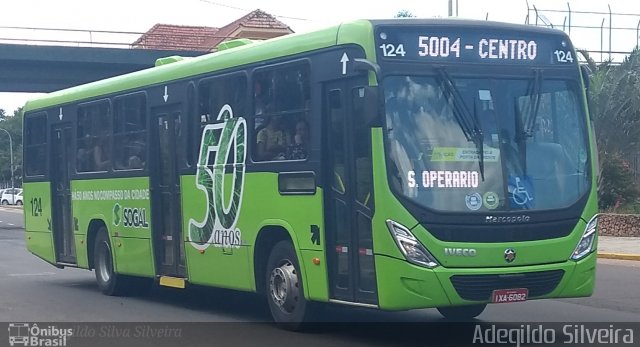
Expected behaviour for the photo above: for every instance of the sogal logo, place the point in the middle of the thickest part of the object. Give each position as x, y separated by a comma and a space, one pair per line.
131, 217
227, 142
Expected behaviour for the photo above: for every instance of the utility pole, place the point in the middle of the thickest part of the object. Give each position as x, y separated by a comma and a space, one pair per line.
13, 196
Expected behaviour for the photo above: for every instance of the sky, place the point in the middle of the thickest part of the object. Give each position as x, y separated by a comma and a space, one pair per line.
138, 16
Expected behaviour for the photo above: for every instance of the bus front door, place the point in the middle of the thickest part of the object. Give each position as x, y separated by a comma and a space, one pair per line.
349, 195
61, 225
165, 192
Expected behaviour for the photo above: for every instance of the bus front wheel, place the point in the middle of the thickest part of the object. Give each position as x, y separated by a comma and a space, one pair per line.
109, 282
462, 312
284, 290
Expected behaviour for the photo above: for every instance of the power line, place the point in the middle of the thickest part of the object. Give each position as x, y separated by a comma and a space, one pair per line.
248, 10
224, 5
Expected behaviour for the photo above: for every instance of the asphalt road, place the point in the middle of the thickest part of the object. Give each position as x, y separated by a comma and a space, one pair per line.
34, 291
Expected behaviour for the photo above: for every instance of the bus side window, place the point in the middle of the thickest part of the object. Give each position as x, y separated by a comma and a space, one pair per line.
35, 144
130, 134
214, 95
93, 137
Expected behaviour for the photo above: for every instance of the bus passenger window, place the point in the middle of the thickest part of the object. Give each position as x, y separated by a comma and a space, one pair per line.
281, 109
130, 132
35, 143
93, 141
219, 94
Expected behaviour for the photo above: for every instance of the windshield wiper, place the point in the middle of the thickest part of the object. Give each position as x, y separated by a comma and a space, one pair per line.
468, 122
534, 104
525, 126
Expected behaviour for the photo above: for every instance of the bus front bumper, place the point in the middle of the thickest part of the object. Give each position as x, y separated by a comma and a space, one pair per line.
404, 286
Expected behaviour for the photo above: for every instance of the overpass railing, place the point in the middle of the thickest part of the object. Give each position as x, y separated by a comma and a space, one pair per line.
95, 38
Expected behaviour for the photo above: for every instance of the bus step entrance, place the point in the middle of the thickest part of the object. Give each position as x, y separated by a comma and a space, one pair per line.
62, 264
174, 282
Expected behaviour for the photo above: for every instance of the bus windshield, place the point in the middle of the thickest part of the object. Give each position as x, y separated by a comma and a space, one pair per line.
531, 154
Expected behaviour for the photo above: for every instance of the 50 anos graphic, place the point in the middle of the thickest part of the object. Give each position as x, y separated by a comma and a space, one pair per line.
227, 141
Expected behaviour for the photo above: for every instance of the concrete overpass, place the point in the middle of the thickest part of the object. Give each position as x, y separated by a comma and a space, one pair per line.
32, 68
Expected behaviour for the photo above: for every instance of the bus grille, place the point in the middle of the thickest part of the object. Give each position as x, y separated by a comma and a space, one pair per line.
480, 287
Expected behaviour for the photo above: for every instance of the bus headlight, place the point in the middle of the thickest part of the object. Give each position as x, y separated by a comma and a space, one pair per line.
410, 247
585, 246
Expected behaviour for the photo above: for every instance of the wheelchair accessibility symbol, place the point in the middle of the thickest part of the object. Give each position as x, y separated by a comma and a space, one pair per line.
521, 191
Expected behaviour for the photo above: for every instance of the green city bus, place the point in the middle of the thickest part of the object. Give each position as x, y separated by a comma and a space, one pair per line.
390, 164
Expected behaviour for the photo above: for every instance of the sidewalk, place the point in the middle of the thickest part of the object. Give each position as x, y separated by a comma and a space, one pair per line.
615, 247
10, 208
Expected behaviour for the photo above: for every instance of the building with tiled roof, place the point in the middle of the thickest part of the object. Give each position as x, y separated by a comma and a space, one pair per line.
257, 25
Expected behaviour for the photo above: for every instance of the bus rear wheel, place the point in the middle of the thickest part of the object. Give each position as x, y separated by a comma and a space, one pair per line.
110, 283
462, 312
284, 290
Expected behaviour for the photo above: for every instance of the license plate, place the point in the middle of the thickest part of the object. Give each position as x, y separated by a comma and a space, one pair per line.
502, 296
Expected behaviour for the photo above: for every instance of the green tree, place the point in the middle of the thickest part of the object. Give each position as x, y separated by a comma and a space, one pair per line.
618, 185
13, 125
615, 109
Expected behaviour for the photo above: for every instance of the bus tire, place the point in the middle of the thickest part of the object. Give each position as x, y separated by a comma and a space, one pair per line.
109, 282
462, 312
284, 290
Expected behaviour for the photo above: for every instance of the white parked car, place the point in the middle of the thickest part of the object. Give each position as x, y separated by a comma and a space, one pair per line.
19, 199
12, 197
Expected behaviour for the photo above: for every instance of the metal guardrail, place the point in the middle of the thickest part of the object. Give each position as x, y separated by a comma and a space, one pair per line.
68, 37
95, 38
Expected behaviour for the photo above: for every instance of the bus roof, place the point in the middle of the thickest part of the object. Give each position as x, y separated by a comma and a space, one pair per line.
348, 32
221, 60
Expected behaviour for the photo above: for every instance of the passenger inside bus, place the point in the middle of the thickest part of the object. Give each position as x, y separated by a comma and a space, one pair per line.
297, 150
263, 101
100, 158
273, 140
136, 160
83, 162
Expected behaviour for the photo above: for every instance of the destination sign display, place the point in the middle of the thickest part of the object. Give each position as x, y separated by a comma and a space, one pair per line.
435, 44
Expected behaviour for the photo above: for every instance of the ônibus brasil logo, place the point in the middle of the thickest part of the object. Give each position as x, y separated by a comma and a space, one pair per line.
26, 334
227, 141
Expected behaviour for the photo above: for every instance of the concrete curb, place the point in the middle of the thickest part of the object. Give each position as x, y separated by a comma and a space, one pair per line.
12, 209
620, 256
